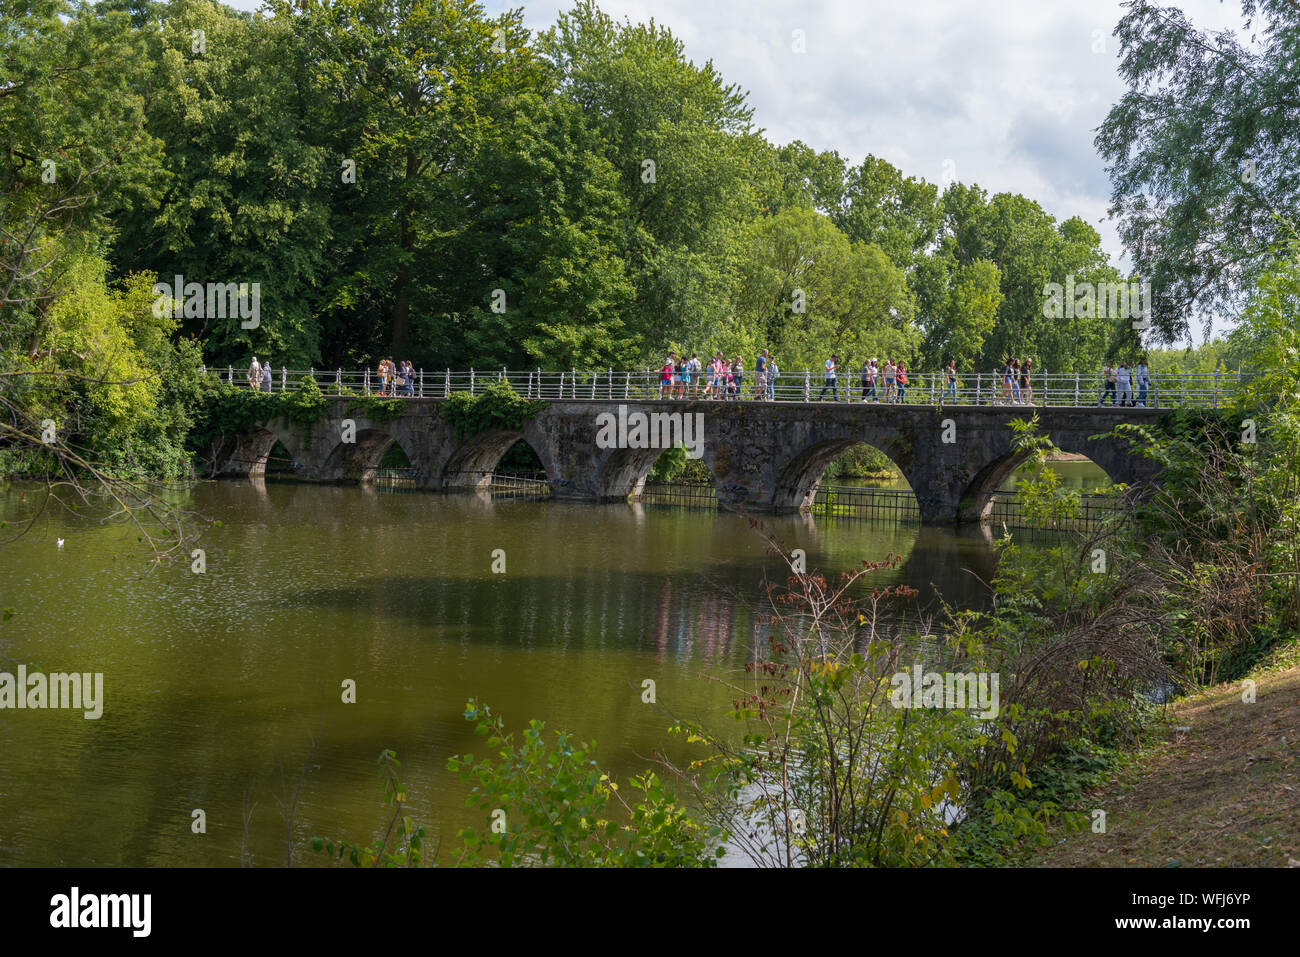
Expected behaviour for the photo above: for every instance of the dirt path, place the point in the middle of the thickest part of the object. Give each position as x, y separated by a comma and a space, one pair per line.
1222, 789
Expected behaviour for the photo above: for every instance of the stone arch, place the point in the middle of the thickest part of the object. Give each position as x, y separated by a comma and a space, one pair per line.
796, 487
622, 473
247, 454
357, 461
472, 462
1110, 455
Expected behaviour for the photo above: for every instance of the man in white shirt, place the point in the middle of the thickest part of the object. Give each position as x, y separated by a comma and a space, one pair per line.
1125, 384
831, 382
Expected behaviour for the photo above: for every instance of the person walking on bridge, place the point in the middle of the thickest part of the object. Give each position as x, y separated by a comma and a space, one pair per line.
266, 376
1108, 381
1143, 381
949, 381
666, 375
1125, 385
832, 379
255, 375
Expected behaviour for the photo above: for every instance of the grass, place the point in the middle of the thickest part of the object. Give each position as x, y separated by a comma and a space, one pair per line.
1220, 786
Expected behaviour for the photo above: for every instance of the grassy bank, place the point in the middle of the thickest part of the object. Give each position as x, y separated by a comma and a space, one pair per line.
1216, 785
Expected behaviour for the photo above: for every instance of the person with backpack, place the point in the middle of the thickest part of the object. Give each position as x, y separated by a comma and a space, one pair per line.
901, 375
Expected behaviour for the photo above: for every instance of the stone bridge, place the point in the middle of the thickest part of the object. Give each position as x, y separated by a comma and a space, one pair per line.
763, 456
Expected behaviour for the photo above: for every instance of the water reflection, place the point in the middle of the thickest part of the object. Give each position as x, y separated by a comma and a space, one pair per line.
211, 680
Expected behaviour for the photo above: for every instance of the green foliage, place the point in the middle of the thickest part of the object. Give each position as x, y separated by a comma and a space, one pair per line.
241, 197
499, 408
551, 805
861, 461
229, 410
377, 410
1030, 250
643, 99
1200, 160
122, 394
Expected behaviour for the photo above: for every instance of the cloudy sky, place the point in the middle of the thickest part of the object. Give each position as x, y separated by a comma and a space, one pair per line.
1008, 93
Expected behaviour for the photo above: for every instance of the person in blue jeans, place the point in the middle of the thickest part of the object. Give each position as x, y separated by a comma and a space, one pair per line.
950, 378
831, 382
902, 381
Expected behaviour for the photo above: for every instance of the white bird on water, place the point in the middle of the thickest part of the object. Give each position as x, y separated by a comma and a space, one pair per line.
60, 543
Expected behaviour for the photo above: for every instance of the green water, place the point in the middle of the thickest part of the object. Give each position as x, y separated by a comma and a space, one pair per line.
215, 684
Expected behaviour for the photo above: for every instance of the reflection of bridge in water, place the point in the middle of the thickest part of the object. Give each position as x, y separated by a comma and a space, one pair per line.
763, 457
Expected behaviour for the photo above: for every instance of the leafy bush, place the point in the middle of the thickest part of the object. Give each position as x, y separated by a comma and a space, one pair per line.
553, 805
228, 410
499, 408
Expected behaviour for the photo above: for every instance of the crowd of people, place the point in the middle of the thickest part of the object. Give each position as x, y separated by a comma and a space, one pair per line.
1125, 385
396, 380
682, 377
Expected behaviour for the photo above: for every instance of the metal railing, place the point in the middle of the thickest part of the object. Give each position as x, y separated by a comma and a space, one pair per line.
1205, 390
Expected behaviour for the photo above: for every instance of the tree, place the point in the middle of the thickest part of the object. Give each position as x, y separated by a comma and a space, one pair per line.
412, 91
901, 215
1202, 150
241, 197
1029, 250
681, 143
805, 289
71, 120
548, 237
966, 317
